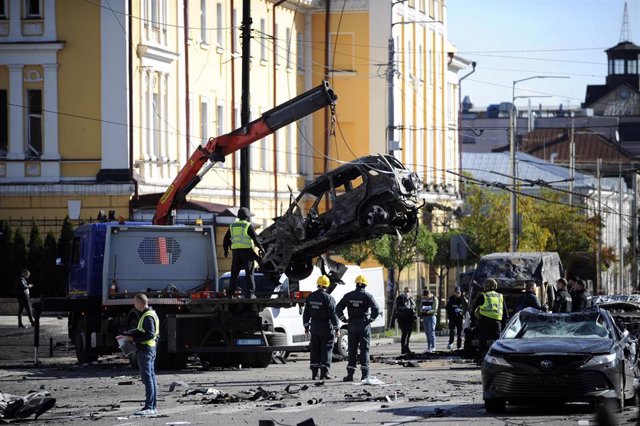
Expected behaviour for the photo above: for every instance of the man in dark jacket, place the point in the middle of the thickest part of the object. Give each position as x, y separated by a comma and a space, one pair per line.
362, 310
456, 307
145, 337
241, 237
579, 297
319, 318
529, 298
563, 301
22, 293
406, 315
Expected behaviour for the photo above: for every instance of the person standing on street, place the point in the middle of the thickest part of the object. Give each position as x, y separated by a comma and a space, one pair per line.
320, 319
241, 237
529, 298
428, 309
145, 337
362, 310
22, 293
563, 301
491, 312
456, 307
579, 297
406, 315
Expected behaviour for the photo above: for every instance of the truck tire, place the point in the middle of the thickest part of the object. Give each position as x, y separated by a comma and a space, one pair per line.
342, 345
82, 341
217, 359
279, 339
166, 360
255, 359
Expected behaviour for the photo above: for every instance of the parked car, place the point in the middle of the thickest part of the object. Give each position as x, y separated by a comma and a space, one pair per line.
580, 356
365, 198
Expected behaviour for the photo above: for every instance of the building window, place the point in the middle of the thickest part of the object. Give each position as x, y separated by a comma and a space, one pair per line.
204, 121
33, 9
632, 66
4, 122
421, 5
34, 123
3, 9
288, 41
300, 52
219, 33
409, 59
420, 65
155, 14
291, 155
263, 47
618, 66
203, 21
234, 31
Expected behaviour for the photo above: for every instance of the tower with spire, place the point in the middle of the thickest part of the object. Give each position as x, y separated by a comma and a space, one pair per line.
620, 95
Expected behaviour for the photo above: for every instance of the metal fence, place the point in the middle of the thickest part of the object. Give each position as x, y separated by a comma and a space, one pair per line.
45, 224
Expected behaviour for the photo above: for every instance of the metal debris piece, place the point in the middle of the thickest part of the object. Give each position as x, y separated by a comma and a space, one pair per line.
174, 385
17, 407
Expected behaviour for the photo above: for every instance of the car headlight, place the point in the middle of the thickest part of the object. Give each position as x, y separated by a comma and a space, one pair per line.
601, 360
496, 361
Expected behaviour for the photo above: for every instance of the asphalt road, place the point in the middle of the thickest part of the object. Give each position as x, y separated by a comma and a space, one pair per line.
442, 389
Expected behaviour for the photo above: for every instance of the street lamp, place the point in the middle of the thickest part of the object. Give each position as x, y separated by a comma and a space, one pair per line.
513, 231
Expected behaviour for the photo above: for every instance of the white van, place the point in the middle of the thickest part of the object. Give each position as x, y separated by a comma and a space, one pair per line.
287, 322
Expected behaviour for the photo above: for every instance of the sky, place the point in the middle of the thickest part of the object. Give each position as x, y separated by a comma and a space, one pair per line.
516, 39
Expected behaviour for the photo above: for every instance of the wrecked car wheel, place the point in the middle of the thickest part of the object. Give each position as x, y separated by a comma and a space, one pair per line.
494, 406
409, 223
374, 215
299, 269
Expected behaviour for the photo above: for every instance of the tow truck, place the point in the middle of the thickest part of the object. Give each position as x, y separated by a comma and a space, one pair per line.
175, 265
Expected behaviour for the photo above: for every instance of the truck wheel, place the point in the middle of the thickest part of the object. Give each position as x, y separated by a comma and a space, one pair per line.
255, 359
342, 345
82, 342
494, 406
217, 359
278, 339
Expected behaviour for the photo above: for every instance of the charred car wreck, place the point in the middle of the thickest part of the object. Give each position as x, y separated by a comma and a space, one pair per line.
360, 200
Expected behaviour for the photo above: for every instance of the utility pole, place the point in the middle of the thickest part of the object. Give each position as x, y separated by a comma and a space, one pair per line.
598, 283
620, 233
513, 227
245, 112
634, 231
572, 161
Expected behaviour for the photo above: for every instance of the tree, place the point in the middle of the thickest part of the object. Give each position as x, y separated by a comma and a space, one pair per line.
35, 260
50, 271
19, 254
396, 254
487, 221
6, 260
356, 253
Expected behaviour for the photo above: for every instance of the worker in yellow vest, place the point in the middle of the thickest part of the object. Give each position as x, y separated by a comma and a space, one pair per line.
241, 237
491, 313
145, 336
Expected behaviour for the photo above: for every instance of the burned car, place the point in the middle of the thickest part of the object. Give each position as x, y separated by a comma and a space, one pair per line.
574, 357
357, 201
624, 308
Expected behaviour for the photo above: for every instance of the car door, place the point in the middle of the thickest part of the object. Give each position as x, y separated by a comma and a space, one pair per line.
350, 190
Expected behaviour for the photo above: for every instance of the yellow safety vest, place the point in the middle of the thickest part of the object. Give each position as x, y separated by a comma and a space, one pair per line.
240, 238
492, 306
152, 314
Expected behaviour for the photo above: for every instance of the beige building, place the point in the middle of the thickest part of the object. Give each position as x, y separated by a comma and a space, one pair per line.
102, 102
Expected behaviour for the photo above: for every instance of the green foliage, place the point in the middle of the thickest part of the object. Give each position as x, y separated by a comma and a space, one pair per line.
65, 241
546, 226
34, 261
19, 254
6, 259
392, 253
50, 271
356, 253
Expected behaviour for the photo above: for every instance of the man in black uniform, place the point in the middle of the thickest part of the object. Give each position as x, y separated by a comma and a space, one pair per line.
562, 303
579, 297
456, 307
22, 293
320, 318
529, 298
363, 310
241, 237
406, 315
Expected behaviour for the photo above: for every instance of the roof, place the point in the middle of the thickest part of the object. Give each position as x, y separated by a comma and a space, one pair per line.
547, 142
495, 168
623, 45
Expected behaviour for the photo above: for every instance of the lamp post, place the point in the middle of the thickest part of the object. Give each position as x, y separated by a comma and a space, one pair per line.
513, 225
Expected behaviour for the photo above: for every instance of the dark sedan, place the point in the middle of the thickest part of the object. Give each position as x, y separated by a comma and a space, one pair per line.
574, 357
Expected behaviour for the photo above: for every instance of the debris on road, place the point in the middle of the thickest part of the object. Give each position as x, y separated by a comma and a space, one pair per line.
202, 391
372, 381
174, 385
17, 407
125, 383
412, 364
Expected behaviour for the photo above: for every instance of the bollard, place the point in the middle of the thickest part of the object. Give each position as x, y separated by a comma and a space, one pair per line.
50, 347
36, 336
